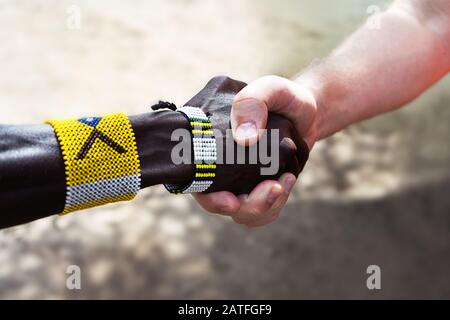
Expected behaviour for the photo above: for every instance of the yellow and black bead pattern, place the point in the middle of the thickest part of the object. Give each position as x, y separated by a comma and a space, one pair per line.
101, 160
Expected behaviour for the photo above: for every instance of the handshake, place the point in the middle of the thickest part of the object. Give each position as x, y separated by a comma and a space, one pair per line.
250, 157
259, 153
68, 165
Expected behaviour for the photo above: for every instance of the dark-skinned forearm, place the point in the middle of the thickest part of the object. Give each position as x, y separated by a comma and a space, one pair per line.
32, 175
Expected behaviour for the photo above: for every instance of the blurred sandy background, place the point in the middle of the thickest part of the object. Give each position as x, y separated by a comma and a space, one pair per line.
377, 193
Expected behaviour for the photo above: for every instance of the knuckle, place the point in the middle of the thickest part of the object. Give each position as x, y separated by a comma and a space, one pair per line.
239, 220
220, 78
284, 91
255, 212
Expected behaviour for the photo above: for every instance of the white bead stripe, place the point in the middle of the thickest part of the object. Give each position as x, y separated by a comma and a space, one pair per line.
98, 190
204, 151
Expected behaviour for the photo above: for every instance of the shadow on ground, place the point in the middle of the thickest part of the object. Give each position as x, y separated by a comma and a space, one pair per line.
318, 249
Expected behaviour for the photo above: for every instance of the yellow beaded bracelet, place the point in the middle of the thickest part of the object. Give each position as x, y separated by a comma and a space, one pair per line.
101, 160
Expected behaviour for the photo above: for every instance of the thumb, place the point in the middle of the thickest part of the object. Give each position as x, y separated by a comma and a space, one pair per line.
248, 116
271, 94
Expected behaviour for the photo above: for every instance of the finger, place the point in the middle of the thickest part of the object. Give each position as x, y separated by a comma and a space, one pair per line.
273, 213
272, 94
263, 222
256, 205
287, 181
248, 116
289, 150
222, 202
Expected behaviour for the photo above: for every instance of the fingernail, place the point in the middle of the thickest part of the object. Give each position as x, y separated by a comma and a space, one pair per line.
273, 194
288, 183
246, 130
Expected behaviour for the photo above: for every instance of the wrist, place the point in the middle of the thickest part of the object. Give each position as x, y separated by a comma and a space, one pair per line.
315, 86
153, 138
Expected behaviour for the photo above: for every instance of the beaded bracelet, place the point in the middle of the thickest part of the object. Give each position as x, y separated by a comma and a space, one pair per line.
100, 158
205, 154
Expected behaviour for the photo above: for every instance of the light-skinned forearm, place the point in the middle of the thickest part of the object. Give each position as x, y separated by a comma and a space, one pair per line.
380, 69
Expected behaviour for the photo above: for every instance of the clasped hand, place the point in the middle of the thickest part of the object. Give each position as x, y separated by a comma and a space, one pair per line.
240, 190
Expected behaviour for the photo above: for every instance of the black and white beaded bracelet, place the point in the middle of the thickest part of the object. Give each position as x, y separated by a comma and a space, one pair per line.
205, 153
